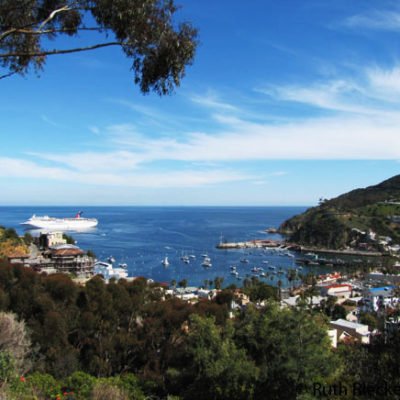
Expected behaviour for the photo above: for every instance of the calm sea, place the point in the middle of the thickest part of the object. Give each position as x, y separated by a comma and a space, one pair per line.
142, 236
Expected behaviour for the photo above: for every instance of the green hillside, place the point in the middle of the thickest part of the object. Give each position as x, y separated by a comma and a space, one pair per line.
349, 219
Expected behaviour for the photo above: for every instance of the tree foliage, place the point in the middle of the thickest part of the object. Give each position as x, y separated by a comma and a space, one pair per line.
14, 340
122, 339
144, 30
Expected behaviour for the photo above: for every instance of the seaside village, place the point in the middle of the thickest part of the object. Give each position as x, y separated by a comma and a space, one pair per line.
359, 300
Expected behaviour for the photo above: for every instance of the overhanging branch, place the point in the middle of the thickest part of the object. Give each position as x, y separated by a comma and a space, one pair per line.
8, 75
52, 15
55, 51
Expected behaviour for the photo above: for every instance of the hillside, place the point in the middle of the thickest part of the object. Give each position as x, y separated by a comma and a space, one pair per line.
355, 219
11, 244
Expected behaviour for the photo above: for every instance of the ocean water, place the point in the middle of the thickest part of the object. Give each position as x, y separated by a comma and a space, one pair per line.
142, 236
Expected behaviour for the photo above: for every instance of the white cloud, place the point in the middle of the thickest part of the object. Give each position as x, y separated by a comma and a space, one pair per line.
326, 95
18, 168
375, 20
385, 83
362, 124
49, 121
278, 173
373, 92
90, 161
211, 100
94, 129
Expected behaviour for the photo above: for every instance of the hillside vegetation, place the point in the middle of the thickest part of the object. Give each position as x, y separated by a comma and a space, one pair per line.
11, 244
125, 340
340, 222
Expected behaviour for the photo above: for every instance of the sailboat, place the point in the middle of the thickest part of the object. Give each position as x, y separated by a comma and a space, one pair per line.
165, 262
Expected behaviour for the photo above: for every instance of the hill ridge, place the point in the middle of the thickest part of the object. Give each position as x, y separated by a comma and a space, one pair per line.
350, 219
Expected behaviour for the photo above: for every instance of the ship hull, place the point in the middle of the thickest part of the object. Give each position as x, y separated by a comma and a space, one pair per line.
60, 223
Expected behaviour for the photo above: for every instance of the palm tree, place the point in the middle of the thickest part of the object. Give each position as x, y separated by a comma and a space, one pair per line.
218, 282
280, 289
183, 283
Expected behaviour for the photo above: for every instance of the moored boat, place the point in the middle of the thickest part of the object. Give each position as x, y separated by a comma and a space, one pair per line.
165, 262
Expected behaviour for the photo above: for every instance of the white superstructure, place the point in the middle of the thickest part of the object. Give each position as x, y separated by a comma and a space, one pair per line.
70, 224
108, 271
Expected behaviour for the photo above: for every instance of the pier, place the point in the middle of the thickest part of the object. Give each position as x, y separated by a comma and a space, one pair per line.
257, 243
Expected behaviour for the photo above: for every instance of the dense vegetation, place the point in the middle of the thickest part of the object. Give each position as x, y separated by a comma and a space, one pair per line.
123, 340
337, 223
125, 335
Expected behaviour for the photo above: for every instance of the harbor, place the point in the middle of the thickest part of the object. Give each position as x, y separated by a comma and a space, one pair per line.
166, 244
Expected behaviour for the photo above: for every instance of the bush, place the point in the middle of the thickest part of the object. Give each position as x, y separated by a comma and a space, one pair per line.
81, 384
103, 390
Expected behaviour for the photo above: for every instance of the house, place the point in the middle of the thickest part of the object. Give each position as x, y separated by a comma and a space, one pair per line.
293, 301
51, 239
17, 256
70, 258
347, 331
340, 290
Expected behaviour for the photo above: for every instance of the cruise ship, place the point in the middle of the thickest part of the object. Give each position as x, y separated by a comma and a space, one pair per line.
67, 224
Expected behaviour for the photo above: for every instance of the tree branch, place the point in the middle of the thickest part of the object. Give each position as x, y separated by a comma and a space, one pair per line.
52, 52
52, 15
8, 75
47, 31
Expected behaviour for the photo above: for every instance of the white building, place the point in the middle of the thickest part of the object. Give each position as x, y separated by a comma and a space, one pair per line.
347, 330
338, 290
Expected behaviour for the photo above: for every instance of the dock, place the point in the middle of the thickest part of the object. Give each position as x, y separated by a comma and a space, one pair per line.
252, 244
346, 252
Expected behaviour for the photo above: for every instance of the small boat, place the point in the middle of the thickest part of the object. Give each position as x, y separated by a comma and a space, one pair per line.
244, 260
111, 260
165, 262
185, 259
206, 262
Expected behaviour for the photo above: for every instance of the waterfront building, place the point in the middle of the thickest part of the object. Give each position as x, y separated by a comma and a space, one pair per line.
338, 290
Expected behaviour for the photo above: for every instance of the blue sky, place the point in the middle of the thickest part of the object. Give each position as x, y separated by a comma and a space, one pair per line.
285, 103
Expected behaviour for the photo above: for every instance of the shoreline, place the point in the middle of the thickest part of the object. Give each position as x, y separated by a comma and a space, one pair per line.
281, 244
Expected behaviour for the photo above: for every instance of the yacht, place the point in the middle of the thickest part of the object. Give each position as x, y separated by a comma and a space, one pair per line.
206, 262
